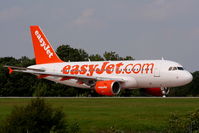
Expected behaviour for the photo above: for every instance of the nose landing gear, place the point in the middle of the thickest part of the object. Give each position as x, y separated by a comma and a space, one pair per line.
165, 91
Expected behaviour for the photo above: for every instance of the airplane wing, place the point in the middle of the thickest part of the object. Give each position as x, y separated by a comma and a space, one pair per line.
43, 73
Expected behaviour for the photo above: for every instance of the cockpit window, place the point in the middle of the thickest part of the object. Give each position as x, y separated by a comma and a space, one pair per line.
180, 68
174, 68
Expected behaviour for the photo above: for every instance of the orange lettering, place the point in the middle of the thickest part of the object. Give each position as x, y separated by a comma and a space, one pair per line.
92, 68
95, 68
83, 69
109, 68
126, 68
136, 68
66, 69
74, 69
147, 67
100, 71
118, 71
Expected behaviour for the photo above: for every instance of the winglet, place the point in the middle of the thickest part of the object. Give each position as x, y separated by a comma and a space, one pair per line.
10, 70
44, 53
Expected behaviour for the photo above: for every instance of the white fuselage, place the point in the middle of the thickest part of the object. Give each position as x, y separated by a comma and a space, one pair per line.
136, 73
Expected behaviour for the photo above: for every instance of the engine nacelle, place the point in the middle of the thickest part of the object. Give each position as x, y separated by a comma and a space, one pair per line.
108, 88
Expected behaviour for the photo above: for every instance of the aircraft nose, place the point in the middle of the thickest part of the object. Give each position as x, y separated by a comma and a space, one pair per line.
187, 77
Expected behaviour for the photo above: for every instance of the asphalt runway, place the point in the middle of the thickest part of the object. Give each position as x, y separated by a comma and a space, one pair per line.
111, 97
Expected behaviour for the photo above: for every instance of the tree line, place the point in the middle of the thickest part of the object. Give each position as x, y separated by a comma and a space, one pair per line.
21, 84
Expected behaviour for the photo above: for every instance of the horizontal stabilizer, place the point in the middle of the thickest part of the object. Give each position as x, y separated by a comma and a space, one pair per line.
15, 68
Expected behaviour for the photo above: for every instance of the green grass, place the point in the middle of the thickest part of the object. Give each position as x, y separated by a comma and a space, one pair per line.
127, 114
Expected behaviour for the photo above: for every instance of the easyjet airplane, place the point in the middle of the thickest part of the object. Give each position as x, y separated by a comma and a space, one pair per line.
105, 77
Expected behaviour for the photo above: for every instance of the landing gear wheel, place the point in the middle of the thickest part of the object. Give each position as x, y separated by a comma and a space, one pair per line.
165, 91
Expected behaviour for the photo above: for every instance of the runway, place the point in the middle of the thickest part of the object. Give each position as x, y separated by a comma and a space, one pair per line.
107, 97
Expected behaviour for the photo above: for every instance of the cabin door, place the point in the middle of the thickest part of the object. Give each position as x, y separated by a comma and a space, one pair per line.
156, 72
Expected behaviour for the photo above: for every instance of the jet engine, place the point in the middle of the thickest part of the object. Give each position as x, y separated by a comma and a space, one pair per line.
108, 88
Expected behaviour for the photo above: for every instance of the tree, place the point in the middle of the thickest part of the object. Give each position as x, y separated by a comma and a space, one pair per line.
195, 84
96, 57
66, 53
114, 56
36, 117
128, 58
25, 61
184, 123
83, 55
41, 89
8, 61
111, 56
16, 84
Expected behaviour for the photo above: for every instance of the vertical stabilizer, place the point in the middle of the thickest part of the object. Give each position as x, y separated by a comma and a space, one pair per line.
44, 53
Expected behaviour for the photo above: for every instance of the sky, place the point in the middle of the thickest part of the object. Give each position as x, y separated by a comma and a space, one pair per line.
143, 29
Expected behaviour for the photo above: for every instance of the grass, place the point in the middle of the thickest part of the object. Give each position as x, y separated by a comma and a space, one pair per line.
127, 114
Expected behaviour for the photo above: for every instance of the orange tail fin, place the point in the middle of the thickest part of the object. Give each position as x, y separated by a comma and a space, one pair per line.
44, 52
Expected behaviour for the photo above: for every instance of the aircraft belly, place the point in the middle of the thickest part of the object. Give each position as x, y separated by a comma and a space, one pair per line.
147, 82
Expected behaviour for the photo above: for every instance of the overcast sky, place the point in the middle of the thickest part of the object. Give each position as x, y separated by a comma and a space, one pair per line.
144, 29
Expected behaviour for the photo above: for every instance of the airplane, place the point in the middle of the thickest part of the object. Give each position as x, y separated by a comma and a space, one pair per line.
105, 77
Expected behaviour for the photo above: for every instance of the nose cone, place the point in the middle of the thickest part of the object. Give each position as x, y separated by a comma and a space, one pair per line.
187, 77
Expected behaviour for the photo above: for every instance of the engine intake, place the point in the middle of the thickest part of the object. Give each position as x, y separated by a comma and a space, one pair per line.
108, 88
